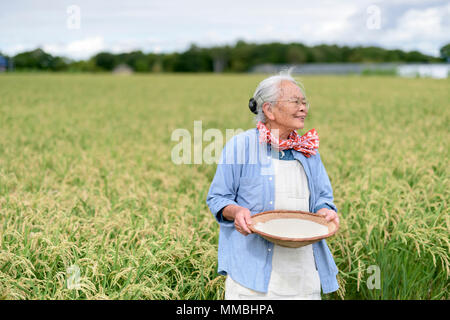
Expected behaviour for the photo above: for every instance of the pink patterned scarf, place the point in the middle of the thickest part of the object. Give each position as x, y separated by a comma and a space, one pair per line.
305, 144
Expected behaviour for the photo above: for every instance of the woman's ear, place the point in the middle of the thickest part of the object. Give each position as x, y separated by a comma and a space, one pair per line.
267, 109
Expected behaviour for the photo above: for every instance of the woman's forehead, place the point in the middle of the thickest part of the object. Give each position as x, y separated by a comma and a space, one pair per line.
290, 89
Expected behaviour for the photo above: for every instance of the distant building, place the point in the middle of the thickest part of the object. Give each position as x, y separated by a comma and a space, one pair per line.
123, 69
434, 70
3, 64
326, 68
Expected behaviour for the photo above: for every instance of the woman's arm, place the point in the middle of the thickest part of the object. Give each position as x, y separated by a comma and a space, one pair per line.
223, 189
221, 197
325, 202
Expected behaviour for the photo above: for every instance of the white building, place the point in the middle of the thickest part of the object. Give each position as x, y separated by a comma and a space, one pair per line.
435, 70
123, 69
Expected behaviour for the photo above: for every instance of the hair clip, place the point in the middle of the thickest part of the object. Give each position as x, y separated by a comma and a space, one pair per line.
252, 105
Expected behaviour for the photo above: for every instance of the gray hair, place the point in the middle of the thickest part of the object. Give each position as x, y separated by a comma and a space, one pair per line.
269, 90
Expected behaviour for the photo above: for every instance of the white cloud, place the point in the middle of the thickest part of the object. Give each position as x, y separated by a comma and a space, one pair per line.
420, 30
172, 26
79, 49
157, 49
16, 48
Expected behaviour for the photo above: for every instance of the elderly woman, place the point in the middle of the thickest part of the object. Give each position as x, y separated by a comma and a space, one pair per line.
271, 167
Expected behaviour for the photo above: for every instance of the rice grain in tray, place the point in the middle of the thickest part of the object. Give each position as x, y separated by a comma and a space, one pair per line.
292, 228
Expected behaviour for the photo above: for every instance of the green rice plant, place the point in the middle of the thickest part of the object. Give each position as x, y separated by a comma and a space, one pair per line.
87, 183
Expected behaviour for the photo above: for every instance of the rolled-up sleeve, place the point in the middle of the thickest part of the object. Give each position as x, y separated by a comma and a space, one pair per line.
223, 189
325, 191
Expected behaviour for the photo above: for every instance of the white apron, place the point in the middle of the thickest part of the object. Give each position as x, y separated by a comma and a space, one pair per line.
294, 274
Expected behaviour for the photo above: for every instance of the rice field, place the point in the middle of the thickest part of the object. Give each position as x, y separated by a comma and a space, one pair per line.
93, 207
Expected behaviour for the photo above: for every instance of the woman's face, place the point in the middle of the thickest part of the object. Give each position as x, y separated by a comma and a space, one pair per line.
286, 113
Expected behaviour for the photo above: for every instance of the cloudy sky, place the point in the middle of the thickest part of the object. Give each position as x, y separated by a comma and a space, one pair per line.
81, 28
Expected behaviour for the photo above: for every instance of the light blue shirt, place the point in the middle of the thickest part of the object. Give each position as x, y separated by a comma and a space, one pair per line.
245, 177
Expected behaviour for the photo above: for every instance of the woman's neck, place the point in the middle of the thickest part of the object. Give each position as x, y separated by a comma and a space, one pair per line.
280, 132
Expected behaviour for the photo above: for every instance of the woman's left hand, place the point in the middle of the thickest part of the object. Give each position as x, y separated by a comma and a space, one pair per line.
329, 215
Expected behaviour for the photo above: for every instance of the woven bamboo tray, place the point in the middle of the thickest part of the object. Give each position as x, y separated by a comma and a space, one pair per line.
287, 214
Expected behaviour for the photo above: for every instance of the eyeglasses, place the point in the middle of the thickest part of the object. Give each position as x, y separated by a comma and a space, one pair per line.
298, 102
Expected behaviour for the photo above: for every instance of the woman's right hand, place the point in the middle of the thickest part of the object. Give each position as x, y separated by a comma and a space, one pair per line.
242, 220
241, 216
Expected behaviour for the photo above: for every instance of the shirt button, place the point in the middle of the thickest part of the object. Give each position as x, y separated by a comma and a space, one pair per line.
270, 178
269, 249
270, 202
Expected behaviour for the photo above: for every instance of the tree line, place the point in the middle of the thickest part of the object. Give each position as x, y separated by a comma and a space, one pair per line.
238, 58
